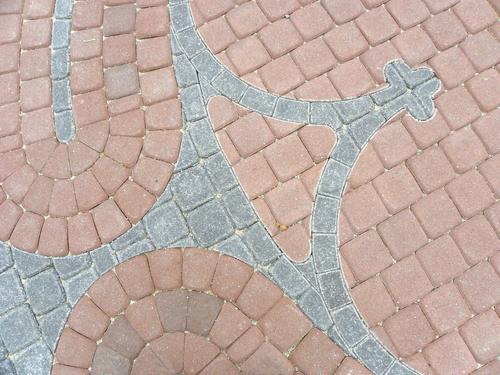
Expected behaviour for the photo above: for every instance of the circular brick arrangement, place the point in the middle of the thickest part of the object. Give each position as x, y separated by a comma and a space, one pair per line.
420, 216
192, 311
56, 198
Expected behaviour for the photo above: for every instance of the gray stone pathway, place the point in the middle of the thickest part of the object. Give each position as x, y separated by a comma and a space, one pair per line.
204, 206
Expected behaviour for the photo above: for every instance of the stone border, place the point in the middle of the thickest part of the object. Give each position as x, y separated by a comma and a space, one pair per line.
64, 123
356, 121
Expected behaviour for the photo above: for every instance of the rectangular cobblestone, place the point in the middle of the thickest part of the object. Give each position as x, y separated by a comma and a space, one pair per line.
346, 151
325, 215
5, 257
334, 290
231, 86
307, 270
53, 323
190, 41
18, 328
260, 244
374, 355
203, 137
165, 225
187, 155
349, 325
239, 209
61, 95
362, 129
192, 188
325, 252
207, 65
64, 126
288, 277
323, 113
398, 368
220, 172
353, 109
185, 73
292, 110
134, 234
259, 101
235, 247
60, 33
333, 179
209, 223
180, 17
333, 333
192, 103
28, 264
69, 266
35, 360
104, 259
313, 306
60, 63
12, 290
135, 249
44, 291
63, 9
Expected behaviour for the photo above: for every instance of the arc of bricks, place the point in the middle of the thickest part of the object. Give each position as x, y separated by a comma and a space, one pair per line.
324, 296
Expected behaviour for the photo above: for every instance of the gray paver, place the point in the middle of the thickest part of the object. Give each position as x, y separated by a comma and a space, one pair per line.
35, 360
28, 264
349, 325
192, 188
69, 266
18, 328
165, 225
5, 257
44, 291
288, 277
203, 137
236, 204
209, 223
76, 286
261, 245
12, 293
53, 323
220, 172
374, 355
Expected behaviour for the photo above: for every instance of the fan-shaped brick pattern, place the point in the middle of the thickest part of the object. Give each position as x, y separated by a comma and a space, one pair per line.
59, 198
192, 311
419, 223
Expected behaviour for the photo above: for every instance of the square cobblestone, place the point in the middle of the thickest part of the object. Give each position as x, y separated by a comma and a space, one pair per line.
70, 266
53, 323
165, 225
18, 328
35, 360
12, 290
240, 211
44, 291
260, 243
192, 188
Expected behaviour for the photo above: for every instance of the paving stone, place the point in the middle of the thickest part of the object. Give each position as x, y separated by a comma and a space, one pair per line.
60, 34
353, 109
323, 113
7, 367
63, 9
134, 249
206, 64
187, 155
76, 286
235, 247
192, 188
260, 244
325, 252
346, 150
292, 110
374, 355
313, 306
35, 360
259, 101
230, 86
61, 95
333, 333
192, 103
325, 215
288, 277
64, 126
5, 257
12, 290
209, 223
180, 16
103, 259
165, 225
220, 172
60, 63
184, 72
135, 234
44, 291
349, 325
29, 264
203, 137
52, 325
70, 266
190, 42
239, 210
362, 129
308, 271
334, 289
18, 328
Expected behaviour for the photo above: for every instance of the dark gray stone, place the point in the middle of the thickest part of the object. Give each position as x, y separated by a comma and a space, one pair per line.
12, 293
363, 129
60, 63
187, 155
192, 103
35, 360
203, 137
424, 94
325, 214
18, 328
135, 249
398, 368
207, 65
350, 325
209, 223
180, 17
28, 264
63, 9
292, 110
5, 257
333, 179
53, 323
207, 90
44, 292
190, 41
60, 33
288, 277
323, 113
67, 267
230, 85
239, 209
220, 172
325, 252
165, 225
313, 306
76, 286
135, 234
335, 336
192, 188
345, 150
259, 101
334, 290
185, 73
373, 355
307, 270
261, 245
104, 259
412, 77
352, 109
64, 126
61, 97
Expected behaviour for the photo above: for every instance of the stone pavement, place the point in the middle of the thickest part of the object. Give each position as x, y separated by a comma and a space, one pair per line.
203, 134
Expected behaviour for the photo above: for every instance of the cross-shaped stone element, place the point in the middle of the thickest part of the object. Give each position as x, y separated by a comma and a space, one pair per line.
319, 286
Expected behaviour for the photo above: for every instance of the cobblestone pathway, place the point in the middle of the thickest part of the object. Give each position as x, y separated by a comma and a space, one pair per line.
201, 187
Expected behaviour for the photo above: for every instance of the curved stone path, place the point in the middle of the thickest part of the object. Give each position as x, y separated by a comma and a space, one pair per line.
79, 170
207, 203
